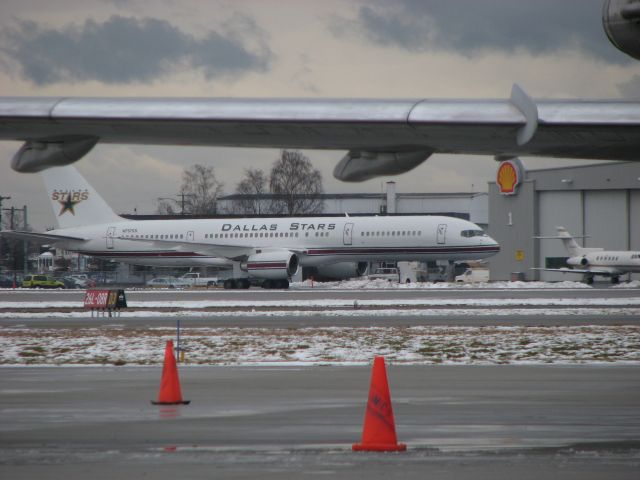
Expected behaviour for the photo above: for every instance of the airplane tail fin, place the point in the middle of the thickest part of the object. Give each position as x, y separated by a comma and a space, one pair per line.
569, 242
75, 203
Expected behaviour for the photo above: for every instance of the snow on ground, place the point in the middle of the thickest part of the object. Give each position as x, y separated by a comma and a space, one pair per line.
366, 284
330, 345
387, 312
339, 303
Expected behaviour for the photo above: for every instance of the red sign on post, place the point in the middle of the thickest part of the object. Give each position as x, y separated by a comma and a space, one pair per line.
96, 299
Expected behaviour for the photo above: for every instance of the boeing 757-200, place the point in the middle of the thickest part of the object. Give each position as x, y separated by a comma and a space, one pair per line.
265, 248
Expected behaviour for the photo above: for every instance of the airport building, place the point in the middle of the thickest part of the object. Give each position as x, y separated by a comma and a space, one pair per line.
470, 206
599, 204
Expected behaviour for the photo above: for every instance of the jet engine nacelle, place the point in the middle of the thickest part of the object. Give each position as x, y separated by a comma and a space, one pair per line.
272, 265
342, 270
577, 261
621, 22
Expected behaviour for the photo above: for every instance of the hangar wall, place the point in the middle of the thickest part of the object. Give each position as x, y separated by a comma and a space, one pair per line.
601, 202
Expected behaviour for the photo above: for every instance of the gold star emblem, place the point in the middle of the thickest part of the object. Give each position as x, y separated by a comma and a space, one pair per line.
67, 205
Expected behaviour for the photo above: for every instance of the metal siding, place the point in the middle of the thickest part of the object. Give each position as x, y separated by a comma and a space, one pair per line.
517, 236
557, 209
634, 224
606, 219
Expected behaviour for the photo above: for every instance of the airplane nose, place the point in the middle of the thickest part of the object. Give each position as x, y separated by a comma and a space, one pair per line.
489, 241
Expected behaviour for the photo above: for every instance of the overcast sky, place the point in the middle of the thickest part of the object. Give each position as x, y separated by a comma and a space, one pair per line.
262, 48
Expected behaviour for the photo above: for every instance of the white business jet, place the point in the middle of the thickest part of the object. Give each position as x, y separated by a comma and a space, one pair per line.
271, 249
595, 261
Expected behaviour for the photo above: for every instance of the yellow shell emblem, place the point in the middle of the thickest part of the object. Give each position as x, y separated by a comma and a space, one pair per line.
507, 178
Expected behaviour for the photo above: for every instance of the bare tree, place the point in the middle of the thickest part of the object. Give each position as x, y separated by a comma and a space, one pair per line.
252, 194
296, 185
198, 195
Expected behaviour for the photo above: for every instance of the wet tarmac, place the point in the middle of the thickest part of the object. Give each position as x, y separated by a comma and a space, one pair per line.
299, 422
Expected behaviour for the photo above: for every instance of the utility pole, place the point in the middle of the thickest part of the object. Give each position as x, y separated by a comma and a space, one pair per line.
1, 199
24, 242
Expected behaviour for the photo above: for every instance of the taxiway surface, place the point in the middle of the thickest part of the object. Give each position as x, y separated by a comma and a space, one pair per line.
458, 421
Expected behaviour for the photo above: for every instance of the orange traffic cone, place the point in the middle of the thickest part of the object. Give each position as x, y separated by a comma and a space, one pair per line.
379, 431
170, 393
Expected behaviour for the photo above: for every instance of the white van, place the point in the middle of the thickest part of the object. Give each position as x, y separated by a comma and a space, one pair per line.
474, 275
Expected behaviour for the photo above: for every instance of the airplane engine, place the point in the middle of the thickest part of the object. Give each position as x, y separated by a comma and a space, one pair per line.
342, 270
621, 22
272, 265
577, 261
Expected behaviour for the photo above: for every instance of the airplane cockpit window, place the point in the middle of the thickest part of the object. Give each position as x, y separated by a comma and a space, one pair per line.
472, 233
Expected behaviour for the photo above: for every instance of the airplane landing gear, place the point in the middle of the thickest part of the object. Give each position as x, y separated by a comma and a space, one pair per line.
236, 283
615, 279
282, 283
588, 279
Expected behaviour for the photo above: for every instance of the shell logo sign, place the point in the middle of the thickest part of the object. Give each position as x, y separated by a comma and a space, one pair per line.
508, 177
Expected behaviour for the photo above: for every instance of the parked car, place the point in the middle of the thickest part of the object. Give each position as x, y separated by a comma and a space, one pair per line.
6, 281
69, 282
41, 281
82, 280
168, 282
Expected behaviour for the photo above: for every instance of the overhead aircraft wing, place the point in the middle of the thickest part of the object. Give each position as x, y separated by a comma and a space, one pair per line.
41, 238
382, 137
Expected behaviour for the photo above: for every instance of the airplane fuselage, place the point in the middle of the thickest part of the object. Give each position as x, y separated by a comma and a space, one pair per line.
316, 241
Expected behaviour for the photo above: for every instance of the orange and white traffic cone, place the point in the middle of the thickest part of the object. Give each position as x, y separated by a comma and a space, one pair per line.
170, 393
379, 430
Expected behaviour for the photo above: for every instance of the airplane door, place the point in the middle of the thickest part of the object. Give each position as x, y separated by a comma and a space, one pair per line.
190, 236
441, 236
347, 237
111, 232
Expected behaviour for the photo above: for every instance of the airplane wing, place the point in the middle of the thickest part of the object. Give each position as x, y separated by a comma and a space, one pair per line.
231, 252
41, 238
382, 137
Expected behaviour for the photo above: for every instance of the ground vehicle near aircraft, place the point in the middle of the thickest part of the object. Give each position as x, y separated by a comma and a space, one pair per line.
194, 279
385, 273
595, 261
41, 281
271, 249
168, 282
473, 275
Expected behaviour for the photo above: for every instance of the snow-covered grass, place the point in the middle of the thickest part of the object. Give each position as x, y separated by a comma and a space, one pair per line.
331, 345
366, 284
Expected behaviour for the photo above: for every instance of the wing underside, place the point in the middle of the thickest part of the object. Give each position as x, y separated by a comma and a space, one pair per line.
379, 135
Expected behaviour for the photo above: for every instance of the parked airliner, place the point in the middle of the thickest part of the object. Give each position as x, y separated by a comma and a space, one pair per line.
595, 261
271, 249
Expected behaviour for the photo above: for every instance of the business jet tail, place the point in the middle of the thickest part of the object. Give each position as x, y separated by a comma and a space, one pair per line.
75, 203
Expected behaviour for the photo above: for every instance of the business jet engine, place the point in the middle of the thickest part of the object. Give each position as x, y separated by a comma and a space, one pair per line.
278, 264
577, 261
342, 270
621, 22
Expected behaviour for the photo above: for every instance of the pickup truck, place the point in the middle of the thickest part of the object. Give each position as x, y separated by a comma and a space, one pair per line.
389, 273
196, 280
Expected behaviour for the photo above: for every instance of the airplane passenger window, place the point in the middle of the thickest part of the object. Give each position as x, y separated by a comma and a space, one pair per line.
306, 234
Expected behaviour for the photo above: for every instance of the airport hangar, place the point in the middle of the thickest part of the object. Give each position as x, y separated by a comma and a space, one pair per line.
600, 202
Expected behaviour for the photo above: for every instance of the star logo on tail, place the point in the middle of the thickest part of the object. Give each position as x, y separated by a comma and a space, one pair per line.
67, 205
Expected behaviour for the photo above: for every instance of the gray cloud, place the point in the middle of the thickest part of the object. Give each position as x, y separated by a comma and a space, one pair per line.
127, 50
469, 27
631, 88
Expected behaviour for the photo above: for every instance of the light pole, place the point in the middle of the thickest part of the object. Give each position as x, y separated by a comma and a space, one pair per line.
1, 199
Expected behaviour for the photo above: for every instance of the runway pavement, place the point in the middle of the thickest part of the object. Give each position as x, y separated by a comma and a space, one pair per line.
458, 421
